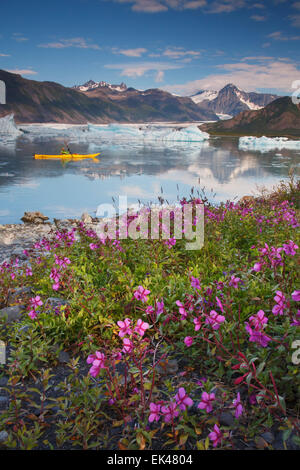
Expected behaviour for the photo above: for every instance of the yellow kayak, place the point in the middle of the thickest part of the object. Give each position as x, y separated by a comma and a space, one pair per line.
73, 156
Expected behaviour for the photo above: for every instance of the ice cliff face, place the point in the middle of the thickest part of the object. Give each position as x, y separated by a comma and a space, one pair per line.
150, 133
8, 127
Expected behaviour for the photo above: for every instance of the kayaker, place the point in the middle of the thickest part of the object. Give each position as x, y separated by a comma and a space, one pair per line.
64, 152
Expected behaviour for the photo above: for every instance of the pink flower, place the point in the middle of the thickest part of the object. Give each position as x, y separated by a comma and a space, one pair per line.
257, 336
182, 399
215, 436
234, 281
127, 346
62, 261
36, 301
290, 248
280, 300
93, 246
169, 412
220, 304
198, 323
296, 295
141, 327
238, 406
259, 320
141, 294
188, 340
160, 307
215, 320
28, 272
98, 362
195, 283
206, 401
125, 327
56, 286
154, 412
171, 242
257, 267
32, 314
182, 310
13, 276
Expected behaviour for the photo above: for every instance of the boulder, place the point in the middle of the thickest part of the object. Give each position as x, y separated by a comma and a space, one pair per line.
34, 218
12, 313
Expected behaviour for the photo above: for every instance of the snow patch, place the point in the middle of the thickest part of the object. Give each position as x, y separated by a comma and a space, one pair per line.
252, 106
205, 95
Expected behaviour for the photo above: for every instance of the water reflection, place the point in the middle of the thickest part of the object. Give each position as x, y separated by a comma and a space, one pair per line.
66, 189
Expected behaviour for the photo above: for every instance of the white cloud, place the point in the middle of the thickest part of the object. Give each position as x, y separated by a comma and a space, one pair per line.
226, 6
23, 71
277, 74
138, 70
179, 52
157, 6
4, 55
258, 18
79, 42
278, 36
132, 52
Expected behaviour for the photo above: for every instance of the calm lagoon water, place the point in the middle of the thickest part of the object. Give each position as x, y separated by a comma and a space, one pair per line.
137, 169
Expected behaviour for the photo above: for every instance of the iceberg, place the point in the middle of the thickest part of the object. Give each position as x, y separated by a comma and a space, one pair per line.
149, 133
265, 144
8, 128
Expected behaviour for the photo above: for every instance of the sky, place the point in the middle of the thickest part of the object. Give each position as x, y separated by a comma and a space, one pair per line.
182, 46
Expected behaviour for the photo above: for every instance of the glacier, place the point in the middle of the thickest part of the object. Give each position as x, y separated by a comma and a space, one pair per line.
266, 144
8, 128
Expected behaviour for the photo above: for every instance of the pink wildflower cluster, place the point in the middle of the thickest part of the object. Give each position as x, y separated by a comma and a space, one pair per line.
280, 303
215, 320
35, 303
98, 362
272, 256
141, 294
170, 411
216, 436
255, 328
127, 330
56, 273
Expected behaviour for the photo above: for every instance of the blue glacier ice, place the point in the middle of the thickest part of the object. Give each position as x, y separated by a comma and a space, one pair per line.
265, 144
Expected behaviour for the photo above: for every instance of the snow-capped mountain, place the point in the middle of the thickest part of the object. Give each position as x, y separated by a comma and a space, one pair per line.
231, 100
91, 85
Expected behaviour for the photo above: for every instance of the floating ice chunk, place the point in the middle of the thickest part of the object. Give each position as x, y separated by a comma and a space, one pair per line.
8, 128
265, 144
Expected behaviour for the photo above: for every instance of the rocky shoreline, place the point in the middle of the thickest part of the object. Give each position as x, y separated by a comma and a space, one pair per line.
15, 238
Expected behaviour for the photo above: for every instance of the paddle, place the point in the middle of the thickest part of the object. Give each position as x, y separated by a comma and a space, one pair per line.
68, 149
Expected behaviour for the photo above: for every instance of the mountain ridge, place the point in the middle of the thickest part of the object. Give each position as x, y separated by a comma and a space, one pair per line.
34, 101
280, 118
